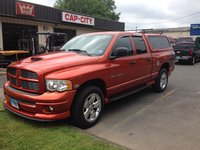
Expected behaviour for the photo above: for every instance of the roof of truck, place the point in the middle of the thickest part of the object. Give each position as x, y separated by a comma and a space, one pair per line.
125, 32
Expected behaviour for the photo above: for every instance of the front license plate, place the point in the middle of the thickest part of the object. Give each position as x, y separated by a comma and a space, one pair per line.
14, 103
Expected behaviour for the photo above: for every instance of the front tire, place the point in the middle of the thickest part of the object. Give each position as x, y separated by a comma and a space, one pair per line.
87, 107
161, 81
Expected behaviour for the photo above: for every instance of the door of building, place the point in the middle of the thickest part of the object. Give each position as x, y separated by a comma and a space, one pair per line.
62, 39
19, 37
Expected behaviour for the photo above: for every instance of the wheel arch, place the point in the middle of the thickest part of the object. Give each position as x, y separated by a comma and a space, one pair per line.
165, 66
93, 82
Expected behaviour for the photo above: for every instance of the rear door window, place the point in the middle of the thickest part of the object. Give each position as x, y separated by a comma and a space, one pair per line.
158, 42
139, 44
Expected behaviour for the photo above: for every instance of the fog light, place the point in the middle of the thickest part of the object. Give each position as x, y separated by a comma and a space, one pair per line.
51, 108
48, 109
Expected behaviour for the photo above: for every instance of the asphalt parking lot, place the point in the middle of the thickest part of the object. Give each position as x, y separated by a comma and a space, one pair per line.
150, 121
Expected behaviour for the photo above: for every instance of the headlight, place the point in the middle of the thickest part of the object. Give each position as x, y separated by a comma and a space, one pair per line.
58, 85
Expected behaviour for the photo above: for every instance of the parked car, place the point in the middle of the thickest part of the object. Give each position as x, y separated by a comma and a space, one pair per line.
186, 51
94, 69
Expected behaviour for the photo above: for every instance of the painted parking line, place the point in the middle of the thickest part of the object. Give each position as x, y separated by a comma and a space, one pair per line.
142, 110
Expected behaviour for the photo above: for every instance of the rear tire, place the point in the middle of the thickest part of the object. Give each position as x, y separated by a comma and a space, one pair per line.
161, 81
87, 107
192, 62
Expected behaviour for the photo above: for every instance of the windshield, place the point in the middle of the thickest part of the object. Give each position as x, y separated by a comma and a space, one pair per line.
90, 44
186, 39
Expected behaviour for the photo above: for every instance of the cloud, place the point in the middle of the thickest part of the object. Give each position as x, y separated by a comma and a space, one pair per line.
42, 2
152, 13
158, 14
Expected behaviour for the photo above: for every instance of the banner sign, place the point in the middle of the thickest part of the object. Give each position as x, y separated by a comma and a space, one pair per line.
195, 29
25, 9
78, 19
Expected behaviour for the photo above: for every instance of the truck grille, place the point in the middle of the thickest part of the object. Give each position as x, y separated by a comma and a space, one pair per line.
30, 85
13, 80
23, 79
28, 74
12, 71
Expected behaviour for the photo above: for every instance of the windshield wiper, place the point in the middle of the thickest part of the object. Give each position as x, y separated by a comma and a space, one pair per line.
79, 51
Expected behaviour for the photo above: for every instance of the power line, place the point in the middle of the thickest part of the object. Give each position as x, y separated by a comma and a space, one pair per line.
178, 18
174, 19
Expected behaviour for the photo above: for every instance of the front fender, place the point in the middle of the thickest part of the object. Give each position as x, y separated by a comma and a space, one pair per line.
80, 75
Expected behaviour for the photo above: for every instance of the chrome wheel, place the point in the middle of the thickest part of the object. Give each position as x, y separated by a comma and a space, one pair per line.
163, 80
193, 60
92, 107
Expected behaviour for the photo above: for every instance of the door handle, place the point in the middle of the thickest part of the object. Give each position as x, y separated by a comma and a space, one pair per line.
132, 62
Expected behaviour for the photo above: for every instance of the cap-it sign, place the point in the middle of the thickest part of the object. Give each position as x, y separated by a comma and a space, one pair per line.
25, 9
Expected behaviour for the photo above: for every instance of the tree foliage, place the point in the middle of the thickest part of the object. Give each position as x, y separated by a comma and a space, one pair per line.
99, 8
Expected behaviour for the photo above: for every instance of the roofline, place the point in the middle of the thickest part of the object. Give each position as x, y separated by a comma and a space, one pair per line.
53, 15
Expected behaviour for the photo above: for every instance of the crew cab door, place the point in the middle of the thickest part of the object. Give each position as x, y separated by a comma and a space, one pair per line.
123, 70
127, 71
143, 59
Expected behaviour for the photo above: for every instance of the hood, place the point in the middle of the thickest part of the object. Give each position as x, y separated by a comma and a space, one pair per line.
54, 61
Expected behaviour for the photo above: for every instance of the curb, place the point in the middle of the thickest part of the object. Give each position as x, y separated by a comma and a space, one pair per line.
100, 138
2, 71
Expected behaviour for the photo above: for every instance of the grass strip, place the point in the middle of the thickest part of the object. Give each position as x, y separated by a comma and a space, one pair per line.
17, 133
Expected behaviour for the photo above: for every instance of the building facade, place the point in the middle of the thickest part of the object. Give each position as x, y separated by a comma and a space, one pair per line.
21, 24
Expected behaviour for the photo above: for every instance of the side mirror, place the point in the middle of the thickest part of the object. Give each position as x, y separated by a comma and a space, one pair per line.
119, 52
122, 51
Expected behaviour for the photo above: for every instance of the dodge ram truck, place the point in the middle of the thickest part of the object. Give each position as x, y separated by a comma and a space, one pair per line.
91, 70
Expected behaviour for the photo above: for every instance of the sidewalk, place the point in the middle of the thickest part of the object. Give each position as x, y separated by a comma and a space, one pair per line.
1, 94
2, 81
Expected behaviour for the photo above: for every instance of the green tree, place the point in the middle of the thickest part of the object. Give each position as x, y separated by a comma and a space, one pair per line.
99, 8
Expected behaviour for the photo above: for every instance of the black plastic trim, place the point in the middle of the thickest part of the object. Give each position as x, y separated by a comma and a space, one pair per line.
23, 116
128, 93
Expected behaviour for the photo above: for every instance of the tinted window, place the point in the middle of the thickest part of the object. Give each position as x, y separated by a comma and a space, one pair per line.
183, 46
158, 42
124, 42
140, 45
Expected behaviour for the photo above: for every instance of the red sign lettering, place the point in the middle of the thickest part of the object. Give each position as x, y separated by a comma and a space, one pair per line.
79, 19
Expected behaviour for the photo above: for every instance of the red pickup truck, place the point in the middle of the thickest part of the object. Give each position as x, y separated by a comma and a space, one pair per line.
90, 71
